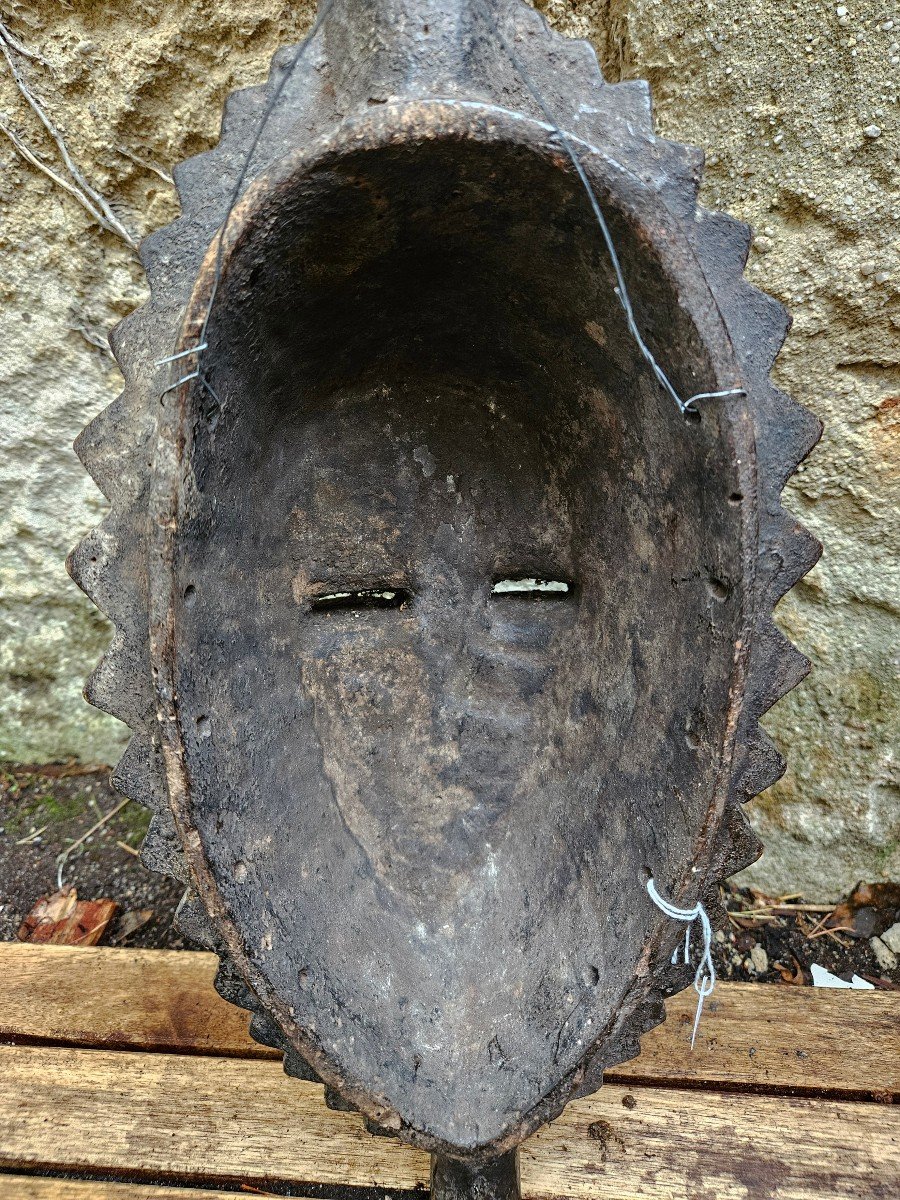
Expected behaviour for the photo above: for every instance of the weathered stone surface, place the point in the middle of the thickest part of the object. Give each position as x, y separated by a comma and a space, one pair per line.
142, 79
781, 98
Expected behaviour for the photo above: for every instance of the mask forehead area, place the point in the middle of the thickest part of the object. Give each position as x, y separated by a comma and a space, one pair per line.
409, 480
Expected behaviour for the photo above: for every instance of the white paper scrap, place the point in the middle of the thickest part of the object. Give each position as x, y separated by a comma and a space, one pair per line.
823, 978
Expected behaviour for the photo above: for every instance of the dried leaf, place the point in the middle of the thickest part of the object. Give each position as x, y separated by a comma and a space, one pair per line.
131, 922
64, 920
869, 910
795, 977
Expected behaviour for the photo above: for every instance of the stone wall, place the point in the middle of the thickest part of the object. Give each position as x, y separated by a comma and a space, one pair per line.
797, 107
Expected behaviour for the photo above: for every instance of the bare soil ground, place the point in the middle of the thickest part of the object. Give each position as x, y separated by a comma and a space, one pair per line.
45, 809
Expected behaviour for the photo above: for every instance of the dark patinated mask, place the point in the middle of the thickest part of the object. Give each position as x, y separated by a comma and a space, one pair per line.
442, 629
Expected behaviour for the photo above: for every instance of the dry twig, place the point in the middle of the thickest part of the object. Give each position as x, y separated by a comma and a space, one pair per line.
61, 860
88, 196
30, 837
28, 772
19, 48
832, 933
782, 910
29, 155
147, 166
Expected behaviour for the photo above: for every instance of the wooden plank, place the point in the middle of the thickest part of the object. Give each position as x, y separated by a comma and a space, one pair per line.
812, 1040
220, 1121
773, 1038
142, 999
25, 1187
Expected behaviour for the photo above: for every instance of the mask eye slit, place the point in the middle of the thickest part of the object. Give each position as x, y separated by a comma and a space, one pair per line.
361, 598
531, 588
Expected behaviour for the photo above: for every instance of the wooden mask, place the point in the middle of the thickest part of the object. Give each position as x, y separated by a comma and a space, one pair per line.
440, 626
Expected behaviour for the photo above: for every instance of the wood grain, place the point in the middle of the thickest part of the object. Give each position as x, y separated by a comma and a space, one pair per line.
229, 1121
145, 999
769, 1038
24, 1187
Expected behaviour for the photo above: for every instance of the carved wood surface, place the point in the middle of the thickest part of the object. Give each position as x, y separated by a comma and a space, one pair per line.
724, 517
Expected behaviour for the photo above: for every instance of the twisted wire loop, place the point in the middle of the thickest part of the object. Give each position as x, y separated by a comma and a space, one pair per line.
705, 975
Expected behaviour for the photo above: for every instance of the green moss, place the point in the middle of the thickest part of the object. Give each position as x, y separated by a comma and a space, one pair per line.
45, 808
134, 821
871, 698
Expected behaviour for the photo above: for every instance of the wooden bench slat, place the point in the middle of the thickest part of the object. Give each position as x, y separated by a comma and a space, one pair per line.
769, 1037
228, 1120
141, 999
24, 1187
753, 1036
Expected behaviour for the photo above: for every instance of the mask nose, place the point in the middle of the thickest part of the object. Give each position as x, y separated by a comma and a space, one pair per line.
479, 689
448, 613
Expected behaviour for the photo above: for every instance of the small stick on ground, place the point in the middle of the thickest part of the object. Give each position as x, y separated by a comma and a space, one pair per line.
61, 860
757, 917
782, 910
832, 933
29, 837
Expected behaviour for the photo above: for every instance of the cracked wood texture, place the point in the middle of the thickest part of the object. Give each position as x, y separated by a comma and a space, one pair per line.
139, 1125
221, 1121
21, 1187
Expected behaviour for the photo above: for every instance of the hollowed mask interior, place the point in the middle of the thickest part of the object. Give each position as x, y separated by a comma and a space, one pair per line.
458, 597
